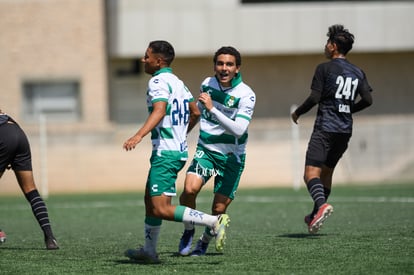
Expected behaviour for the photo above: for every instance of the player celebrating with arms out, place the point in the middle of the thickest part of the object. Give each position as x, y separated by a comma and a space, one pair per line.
335, 87
172, 114
227, 105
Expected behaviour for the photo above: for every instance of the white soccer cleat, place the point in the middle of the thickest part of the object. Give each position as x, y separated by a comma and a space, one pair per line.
220, 231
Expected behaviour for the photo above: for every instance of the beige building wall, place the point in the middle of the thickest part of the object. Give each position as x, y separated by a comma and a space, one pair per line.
53, 40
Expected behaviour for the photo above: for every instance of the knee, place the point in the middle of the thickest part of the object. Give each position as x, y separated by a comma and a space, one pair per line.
190, 191
192, 185
311, 172
191, 188
157, 212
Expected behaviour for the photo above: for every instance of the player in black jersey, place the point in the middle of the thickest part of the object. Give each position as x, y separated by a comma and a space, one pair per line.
15, 154
335, 86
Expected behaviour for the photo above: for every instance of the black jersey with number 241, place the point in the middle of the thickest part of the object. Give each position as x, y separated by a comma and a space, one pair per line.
339, 83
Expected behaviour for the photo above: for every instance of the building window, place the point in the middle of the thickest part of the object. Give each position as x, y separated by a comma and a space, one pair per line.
58, 100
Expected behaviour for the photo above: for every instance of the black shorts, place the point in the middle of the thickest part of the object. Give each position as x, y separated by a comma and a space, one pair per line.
326, 148
14, 148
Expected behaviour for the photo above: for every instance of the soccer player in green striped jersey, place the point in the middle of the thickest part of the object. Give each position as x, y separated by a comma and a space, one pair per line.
226, 105
172, 113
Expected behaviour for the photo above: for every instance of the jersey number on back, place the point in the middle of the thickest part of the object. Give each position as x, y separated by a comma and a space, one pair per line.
180, 112
346, 88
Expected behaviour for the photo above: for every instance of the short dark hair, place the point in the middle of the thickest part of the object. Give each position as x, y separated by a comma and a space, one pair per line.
341, 37
163, 48
228, 50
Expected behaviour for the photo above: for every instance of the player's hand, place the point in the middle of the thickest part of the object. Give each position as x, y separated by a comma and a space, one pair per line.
205, 98
132, 142
295, 117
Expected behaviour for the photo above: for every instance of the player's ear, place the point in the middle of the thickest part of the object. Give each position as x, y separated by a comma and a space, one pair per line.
159, 60
334, 46
237, 69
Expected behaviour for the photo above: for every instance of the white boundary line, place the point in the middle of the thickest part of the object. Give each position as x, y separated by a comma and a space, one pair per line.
240, 199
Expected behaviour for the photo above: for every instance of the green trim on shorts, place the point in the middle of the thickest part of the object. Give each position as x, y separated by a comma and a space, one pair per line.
172, 155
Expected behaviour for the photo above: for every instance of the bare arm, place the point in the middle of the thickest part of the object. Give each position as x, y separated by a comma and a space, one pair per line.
194, 115
157, 114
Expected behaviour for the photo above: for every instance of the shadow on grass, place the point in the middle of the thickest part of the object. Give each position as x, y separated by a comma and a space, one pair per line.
302, 236
176, 254
164, 261
23, 248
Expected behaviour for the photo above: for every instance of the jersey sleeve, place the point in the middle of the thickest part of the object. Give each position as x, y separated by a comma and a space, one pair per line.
158, 89
318, 79
364, 84
246, 107
364, 91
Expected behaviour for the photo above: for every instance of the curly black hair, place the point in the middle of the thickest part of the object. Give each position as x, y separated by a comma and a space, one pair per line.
228, 50
341, 37
163, 48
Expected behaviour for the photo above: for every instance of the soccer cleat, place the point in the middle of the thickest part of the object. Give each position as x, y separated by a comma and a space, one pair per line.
323, 213
308, 219
220, 231
200, 249
140, 255
2, 237
51, 243
186, 242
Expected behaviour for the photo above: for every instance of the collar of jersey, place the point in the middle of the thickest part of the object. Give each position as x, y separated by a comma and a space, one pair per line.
237, 79
163, 70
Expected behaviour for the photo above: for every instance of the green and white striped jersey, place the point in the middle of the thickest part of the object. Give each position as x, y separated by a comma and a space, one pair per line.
169, 137
235, 102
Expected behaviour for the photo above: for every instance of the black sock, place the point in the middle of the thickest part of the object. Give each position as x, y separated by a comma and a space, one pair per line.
40, 212
326, 192
316, 191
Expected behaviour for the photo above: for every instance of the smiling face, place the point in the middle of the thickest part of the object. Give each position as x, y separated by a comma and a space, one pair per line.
152, 62
225, 69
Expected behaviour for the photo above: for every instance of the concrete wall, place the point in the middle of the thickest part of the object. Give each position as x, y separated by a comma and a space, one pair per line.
55, 40
200, 27
279, 82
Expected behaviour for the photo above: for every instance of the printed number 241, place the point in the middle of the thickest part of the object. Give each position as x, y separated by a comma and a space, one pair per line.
346, 87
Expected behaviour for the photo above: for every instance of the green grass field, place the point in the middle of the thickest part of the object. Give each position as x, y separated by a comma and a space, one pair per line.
370, 232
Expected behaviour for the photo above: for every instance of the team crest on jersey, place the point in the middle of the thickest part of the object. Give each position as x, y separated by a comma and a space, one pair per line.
230, 101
